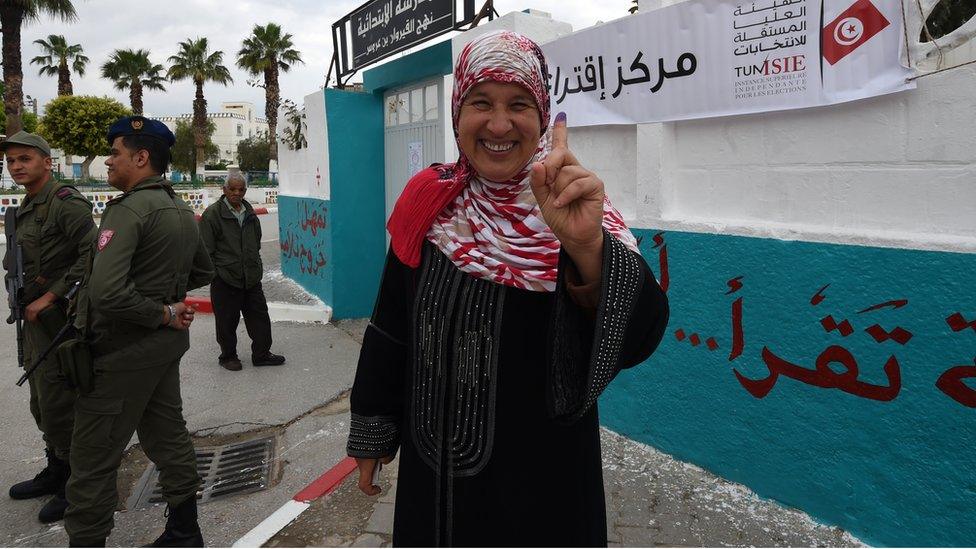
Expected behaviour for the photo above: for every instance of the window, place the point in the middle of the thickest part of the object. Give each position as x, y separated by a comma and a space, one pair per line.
240, 130
403, 104
392, 107
413, 106
417, 105
430, 94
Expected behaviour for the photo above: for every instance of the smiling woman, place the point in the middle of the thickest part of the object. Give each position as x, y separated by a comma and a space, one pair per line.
499, 129
513, 293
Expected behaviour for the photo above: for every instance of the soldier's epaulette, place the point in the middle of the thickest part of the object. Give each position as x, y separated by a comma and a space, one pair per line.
65, 192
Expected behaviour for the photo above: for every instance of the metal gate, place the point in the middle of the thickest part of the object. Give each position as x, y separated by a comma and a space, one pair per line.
413, 134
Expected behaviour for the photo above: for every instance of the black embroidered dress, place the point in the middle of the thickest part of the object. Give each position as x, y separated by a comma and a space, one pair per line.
489, 394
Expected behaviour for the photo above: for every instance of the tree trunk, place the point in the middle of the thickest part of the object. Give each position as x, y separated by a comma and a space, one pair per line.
135, 96
11, 17
85, 173
64, 80
199, 130
272, 100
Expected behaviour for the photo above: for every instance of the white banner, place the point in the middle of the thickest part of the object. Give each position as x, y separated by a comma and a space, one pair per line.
706, 58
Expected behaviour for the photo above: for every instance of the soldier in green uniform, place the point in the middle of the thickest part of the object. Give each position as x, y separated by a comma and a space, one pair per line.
55, 230
147, 254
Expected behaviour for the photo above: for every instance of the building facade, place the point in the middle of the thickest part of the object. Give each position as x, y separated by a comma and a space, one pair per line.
235, 122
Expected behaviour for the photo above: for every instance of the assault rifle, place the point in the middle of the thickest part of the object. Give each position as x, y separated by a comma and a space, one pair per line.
64, 333
15, 279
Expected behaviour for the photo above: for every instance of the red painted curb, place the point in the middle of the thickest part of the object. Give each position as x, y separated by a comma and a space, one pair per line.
201, 304
328, 482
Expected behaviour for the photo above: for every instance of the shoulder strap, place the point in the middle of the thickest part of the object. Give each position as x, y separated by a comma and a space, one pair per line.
64, 190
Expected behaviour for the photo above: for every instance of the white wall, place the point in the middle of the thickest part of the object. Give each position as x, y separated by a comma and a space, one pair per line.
537, 25
897, 170
305, 172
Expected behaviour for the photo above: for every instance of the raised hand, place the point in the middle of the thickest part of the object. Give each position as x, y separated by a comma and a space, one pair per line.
571, 200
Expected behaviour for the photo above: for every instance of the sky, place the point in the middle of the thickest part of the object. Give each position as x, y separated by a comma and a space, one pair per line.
159, 25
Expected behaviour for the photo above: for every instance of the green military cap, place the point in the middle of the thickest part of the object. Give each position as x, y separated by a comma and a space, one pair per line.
27, 139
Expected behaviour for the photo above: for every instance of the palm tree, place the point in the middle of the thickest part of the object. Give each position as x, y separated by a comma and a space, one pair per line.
133, 71
13, 14
194, 61
264, 53
58, 54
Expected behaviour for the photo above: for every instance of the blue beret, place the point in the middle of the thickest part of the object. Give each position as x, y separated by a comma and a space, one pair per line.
140, 125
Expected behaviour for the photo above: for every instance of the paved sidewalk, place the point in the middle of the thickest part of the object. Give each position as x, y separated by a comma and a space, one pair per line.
653, 500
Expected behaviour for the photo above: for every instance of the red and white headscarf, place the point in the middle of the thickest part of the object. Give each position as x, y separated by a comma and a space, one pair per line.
489, 229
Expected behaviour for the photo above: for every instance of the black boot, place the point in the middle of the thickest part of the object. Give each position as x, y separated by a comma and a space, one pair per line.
182, 528
53, 510
50, 480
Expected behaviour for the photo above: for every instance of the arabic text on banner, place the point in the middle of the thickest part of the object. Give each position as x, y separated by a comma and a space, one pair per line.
706, 58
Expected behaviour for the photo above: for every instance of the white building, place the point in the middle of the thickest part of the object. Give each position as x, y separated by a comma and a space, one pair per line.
235, 122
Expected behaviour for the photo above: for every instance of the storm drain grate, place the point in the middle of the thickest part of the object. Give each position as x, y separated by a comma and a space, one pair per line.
238, 468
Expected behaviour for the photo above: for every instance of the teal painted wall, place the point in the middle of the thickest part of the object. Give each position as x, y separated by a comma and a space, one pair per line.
358, 199
353, 244
306, 245
426, 63
898, 471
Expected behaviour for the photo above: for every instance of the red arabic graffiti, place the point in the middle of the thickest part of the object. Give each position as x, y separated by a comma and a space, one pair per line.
818, 297
958, 323
835, 367
843, 327
695, 340
823, 375
894, 304
738, 338
711, 342
662, 261
951, 381
308, 261
313, 221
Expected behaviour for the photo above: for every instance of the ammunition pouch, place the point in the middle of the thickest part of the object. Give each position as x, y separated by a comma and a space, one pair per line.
77, 365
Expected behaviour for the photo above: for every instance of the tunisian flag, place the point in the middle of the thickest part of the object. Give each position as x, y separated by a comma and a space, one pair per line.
855, 26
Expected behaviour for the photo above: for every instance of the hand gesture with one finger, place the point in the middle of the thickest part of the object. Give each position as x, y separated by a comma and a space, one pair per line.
571, 200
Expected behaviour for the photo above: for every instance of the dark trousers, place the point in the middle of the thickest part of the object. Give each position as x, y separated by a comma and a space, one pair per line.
229, 303
51, 403
146, 401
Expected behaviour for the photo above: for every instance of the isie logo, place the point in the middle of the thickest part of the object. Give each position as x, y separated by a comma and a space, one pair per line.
769, 67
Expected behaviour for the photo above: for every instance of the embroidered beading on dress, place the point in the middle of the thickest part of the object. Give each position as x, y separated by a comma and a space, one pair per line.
373, 436
576, 381
454, 392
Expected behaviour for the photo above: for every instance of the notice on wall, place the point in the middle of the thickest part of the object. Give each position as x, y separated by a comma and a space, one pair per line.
415, 157
705, 58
